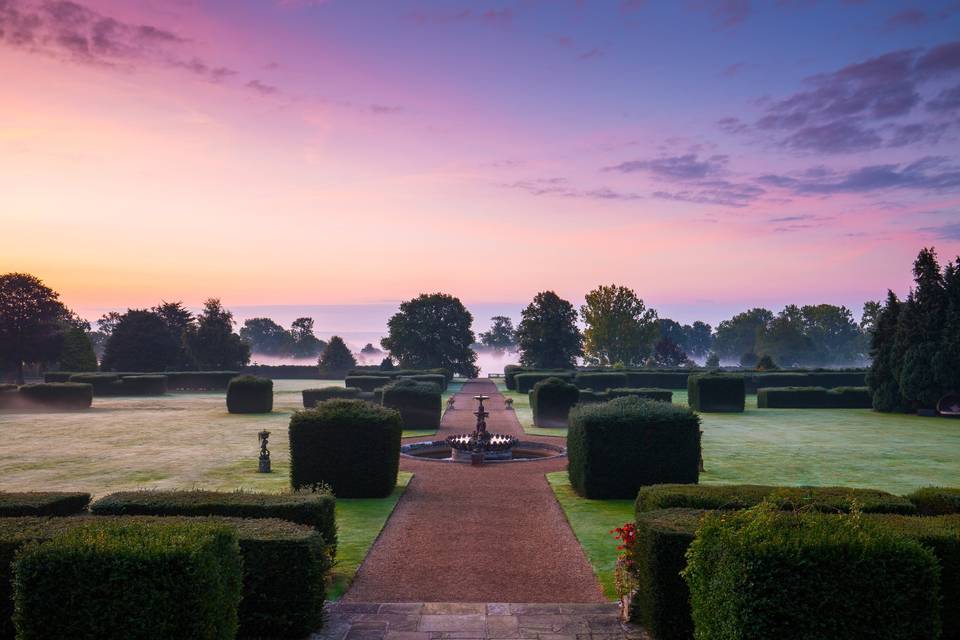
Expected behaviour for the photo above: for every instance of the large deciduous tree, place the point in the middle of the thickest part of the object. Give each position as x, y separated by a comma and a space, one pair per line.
619, 327
265, 336
77, 353
213, 344
738, 335
548, 336
140, 341
32, 321
304, 344
432, 330
501, 335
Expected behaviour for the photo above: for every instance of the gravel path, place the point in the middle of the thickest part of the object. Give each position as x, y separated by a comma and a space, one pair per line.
492, 533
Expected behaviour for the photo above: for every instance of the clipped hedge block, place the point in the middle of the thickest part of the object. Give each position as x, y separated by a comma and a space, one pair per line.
826, 379
716, 393
657, 379
57, 396
743, 496
431, 378
588, 396
936, 501
551, 401
663, 395
814, 398
250, 394
46, 503
145, 385
130, 580
104, 384
600, 381
312, 396
199, 380
57, 376
774, 575
317, 510
524, 381
419, 403
616, 447
351, 446
366, 383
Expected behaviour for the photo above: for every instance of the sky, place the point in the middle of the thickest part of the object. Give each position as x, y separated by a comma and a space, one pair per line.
713, 155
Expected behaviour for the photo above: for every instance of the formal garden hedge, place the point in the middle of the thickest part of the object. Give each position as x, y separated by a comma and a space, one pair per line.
716, 393
312, 396
743, 496
826, 379
589, 396
314, 509
658, 379
250, 394
433, 378
176, 380
351, 446
524, 382
399, 373
284, 568
419, 403
143, 385
767, 574
42, 503
104, 384
814, 398
600, 381
59, 396
936, 501
616, 447
366, 383
551, 401
663, 395
129, 580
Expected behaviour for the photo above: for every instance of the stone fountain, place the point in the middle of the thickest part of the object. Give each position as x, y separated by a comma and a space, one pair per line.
481, 445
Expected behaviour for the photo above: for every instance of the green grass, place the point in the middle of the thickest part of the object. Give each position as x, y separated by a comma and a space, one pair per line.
846, 447
591, 521
359, 522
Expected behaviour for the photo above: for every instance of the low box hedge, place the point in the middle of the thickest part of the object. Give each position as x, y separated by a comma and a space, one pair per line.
936, 501
600, 381
57, 396
614, 448
317, 510
419, 403
432, 378
524, 381
716, 393
57, 376
351, 446
657, 379
765, 574
199, 380
104, 384
551, 401
284, 568
42, 503
250, 394
663, 395
588, 396
129, 580
366, 383
814, 398
827, 379
743, 496
312, 396
143, 385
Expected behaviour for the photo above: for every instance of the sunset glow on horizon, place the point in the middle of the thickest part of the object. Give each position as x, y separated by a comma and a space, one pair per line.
298, 152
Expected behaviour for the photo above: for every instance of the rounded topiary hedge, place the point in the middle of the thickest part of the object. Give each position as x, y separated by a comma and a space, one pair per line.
351, 446
66, 396
312, 396
419, 403
551, 401
250, 394
716, 393
615, 447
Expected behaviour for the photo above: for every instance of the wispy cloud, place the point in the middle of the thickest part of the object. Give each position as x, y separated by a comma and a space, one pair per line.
562, 187
932, 174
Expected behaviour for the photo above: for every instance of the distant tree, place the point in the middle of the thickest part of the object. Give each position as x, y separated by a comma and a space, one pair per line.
749, 360
304, 343
883, 378
77, 353
501, 335
32, 321
738, 335
672, 331
370, 350
336, 357
868, 319
946, 363
699, 338
784, 339
619, 327
548, 337
667, 353
431, 331
713, 361
766, 363
266, 336
180, 324
108, 322
387, 364
213, 344
140, 341
835, 337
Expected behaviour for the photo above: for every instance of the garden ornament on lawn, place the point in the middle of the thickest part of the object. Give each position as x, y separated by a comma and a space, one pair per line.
450, 401
949, 405
264, 452
508, 404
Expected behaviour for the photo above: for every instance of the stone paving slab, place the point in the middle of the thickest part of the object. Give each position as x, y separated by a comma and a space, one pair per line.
475, 621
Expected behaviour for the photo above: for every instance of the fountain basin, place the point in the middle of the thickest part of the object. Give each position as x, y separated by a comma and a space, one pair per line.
441, 451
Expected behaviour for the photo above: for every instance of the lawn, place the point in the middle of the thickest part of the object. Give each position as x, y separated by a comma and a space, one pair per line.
591, 521
848, 447
179, 440
358, 524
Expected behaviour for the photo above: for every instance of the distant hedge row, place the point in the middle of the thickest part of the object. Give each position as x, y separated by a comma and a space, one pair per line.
52, 396
175, 380
42, 503
551, 399
716, 392
814, 398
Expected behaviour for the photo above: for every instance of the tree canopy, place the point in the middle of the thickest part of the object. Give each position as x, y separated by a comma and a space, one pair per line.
336, 357
501, 335
213, 344
77, 353
619, 327
140, 341
32, 321
548, 336
431, 331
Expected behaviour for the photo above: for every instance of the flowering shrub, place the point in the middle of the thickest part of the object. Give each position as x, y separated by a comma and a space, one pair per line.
625, 580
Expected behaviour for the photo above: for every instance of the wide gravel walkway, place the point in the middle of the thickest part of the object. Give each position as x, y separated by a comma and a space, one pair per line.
492, 533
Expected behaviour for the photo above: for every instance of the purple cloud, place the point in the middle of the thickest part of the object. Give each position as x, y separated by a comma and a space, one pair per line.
561, 187
685, 167
726, 13
933, 173
944, 232
261, 88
